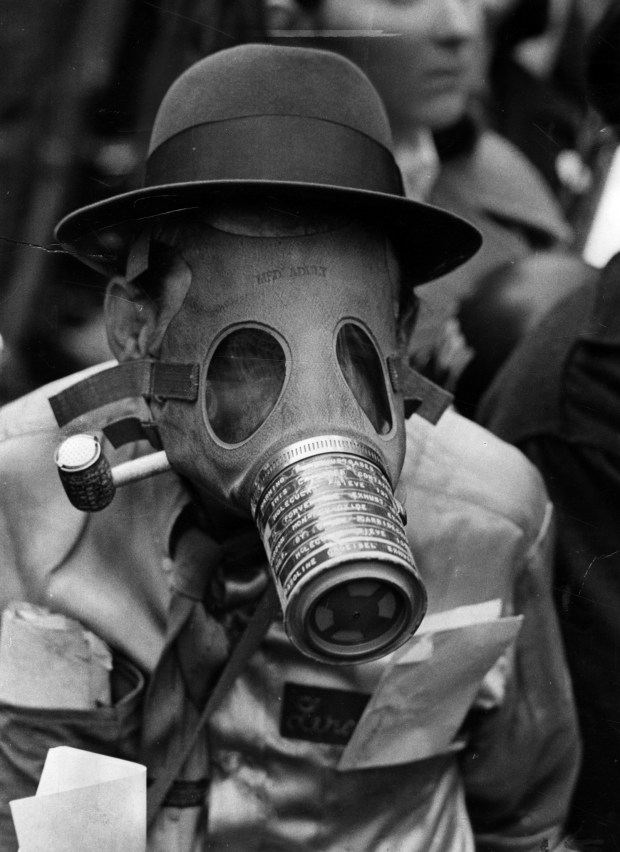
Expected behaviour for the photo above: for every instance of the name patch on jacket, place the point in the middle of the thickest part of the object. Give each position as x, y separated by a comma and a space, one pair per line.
320, 715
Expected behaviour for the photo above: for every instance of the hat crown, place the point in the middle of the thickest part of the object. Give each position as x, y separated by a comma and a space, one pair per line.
258, 79
271, 121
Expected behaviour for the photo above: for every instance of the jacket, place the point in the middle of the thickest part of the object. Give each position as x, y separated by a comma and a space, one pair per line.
568, 372
464, 738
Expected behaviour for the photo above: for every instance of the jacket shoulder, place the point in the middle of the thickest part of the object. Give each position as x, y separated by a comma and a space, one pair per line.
467, 464
478, 511
107, 569
38, 524
496, 179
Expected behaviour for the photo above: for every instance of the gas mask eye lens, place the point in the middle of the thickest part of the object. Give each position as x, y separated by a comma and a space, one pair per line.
361, 368
244, 381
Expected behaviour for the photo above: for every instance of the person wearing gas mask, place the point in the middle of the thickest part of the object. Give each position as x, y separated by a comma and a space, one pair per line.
329, 626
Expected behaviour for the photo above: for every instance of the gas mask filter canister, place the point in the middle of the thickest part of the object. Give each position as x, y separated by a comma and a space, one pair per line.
337, 548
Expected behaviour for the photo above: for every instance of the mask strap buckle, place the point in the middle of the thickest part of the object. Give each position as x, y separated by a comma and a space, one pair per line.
146, 378
420, 395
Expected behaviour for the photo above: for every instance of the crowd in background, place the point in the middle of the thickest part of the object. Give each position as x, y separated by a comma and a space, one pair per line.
526, 160
83, 81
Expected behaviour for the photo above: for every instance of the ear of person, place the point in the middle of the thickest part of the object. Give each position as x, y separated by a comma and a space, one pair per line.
131, 320
405, 324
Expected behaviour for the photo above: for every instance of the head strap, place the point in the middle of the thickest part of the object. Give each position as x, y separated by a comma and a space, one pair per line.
130, 379
420, 395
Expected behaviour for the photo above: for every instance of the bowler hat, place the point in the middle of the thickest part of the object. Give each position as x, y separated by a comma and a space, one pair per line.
276, 121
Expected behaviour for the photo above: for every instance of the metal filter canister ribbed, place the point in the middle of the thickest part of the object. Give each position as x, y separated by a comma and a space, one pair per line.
339, 555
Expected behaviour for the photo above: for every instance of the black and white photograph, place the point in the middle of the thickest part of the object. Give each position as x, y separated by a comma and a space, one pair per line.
309, 425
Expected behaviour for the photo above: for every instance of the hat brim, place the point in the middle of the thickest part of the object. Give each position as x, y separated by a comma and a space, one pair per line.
432, 240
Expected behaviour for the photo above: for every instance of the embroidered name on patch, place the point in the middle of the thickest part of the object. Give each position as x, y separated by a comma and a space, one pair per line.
320, 715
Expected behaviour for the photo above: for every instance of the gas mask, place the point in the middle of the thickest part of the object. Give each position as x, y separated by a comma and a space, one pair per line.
296, 417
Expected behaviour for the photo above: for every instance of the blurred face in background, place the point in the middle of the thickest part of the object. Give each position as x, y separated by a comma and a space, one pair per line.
421, 55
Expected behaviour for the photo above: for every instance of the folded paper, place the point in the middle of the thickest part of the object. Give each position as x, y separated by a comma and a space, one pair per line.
49, 660
422, 700
84, 801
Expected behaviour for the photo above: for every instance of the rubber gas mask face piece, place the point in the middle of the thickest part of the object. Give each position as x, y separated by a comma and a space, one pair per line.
296, 422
